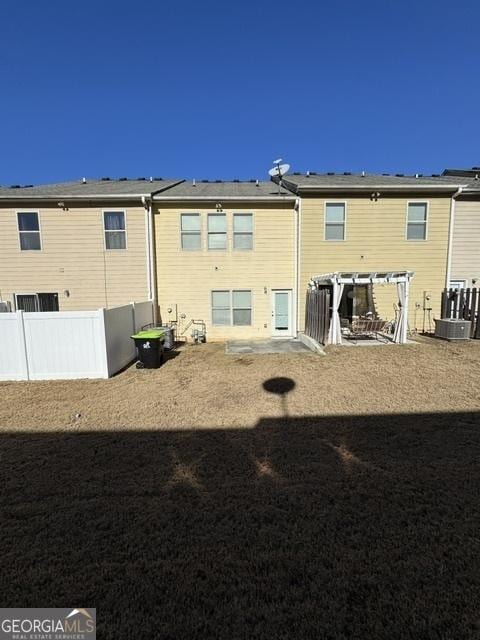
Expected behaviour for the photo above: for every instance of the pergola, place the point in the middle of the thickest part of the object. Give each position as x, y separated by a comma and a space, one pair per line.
339, 279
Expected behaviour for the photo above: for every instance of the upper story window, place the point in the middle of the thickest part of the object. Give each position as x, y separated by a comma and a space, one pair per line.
217, 231
29, 231
191, 231
242, 231
334, 221
115, 232
417, 221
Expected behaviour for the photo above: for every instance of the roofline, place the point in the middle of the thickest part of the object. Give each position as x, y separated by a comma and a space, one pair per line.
94, 196
280, 198
470, 190
380, 187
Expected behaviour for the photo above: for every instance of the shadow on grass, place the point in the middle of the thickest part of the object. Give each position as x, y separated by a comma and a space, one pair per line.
322, 527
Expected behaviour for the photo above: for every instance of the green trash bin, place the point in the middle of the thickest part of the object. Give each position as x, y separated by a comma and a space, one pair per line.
149, 345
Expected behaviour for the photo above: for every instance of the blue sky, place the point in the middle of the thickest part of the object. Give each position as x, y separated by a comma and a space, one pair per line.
218, 89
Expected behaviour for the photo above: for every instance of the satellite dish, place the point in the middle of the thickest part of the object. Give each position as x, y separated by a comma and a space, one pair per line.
279, 171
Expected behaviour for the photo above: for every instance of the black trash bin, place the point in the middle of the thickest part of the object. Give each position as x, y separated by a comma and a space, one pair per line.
149, 345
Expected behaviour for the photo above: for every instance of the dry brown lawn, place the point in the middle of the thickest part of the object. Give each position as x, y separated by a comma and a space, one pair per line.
190, 502
204, 388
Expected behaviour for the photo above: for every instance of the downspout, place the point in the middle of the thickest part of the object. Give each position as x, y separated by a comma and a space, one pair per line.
151, 271
296, 266
450, 236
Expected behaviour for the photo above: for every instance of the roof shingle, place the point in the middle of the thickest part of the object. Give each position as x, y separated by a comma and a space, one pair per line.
107, 188
231, 190
325, 181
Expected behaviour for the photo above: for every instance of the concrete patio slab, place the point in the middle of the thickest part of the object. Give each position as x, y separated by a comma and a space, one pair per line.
265, 346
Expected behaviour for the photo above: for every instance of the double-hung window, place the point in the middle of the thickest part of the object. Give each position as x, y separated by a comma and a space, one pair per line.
217, 231
191, 235
242, 308
335, 221
232, 307
29, 231
417, 221
221, 308
115, 231
242, 231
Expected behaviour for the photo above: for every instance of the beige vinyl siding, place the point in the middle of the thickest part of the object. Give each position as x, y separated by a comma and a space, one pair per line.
187, 278
375, 240
73, 257
466, 242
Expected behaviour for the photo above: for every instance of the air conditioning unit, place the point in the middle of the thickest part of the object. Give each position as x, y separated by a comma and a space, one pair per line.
452, 329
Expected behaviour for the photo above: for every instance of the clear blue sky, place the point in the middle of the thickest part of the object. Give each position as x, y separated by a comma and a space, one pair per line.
218, 89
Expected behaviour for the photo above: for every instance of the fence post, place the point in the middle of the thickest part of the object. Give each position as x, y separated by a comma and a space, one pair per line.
102, 334
474, 318
134, 317
444, 304
23, 338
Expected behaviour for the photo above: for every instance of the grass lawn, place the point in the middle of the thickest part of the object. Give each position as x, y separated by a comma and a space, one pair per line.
190, 502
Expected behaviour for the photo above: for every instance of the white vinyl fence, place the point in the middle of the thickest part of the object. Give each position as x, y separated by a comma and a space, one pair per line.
70, 344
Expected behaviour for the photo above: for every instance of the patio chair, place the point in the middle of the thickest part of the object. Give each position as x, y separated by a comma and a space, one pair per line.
369, 328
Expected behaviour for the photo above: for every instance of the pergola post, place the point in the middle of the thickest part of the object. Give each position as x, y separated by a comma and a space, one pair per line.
333, 323
403, 338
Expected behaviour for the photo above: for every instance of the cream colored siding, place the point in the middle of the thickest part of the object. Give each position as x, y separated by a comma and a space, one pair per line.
466, 242
186, 279
375, 240
73, 257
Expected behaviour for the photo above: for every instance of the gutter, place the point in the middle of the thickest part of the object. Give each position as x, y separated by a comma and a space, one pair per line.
379, 187
220, 198
450, 236
32, 196
297, 213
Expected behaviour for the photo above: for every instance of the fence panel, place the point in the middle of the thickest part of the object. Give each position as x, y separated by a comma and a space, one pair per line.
69, 344
119, 326
64, 345
317, 314
13, 358
463, 304
143, 313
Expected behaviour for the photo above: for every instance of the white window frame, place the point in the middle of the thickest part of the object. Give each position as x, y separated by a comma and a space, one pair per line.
240, 308
39, 230
229, 303
105, 231
213, 233
325, 204
463, 286
200, 217
37, 299
243, 213
230, 300
427, 220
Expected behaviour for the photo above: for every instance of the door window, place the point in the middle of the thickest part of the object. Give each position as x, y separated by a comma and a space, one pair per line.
281, 311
